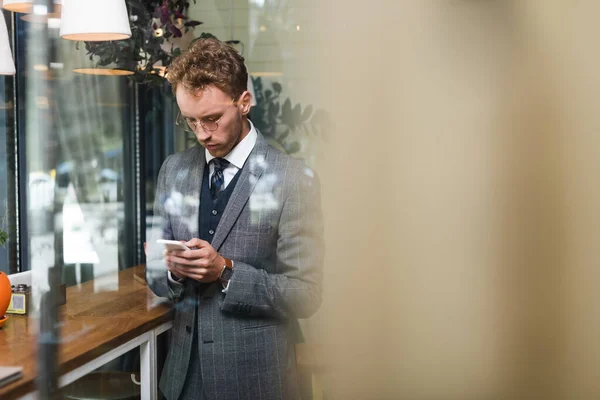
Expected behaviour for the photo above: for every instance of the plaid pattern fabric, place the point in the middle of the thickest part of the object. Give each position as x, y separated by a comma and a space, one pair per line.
272, 229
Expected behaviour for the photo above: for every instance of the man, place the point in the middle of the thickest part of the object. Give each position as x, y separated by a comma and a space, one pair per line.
252, 220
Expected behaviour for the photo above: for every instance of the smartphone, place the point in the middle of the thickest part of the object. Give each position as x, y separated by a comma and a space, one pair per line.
172, 244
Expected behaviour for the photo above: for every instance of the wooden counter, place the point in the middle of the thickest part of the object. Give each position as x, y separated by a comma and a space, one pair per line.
95, 322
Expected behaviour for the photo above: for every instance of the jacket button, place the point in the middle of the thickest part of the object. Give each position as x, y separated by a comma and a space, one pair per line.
188, 329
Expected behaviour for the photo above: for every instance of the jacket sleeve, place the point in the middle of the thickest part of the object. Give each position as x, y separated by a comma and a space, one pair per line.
156, 270
294, 290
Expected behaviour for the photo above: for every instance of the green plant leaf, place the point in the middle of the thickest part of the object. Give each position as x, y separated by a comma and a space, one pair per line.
273, 110
297, 114
106, 60
286, 112
306, 113
277, 87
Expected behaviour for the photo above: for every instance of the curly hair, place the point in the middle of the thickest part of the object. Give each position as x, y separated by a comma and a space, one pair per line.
209, 61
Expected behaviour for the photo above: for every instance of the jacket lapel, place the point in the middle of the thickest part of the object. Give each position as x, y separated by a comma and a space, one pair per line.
249, 175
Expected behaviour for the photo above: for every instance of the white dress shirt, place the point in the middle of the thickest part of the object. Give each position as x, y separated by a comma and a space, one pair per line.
237, 158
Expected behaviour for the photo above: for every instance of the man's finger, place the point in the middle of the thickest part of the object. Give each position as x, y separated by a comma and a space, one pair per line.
182, 261
191, 270
191, 257
176, 271
186, 270
197, 274
198, 243
193, 254
167, 252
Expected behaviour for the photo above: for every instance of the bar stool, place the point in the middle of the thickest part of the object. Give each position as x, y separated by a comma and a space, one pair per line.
103, 385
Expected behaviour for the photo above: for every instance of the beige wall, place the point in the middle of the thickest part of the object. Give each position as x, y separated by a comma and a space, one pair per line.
461, 198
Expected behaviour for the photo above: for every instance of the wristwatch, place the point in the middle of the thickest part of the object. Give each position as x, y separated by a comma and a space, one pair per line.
226, 272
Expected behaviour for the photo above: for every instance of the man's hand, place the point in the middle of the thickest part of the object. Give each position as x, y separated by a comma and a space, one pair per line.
201, 263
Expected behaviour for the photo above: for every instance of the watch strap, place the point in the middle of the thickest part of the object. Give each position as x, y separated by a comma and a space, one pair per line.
227, 271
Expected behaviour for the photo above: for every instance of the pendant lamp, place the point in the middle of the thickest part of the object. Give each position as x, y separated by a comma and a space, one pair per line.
103, 71
43, 18
7, 65
79, 62
94, 20
20, 6
26, 6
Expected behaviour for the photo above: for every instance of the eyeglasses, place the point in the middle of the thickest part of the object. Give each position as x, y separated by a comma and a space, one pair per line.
208, 124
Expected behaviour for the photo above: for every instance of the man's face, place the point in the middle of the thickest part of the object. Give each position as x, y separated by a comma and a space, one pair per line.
205, 107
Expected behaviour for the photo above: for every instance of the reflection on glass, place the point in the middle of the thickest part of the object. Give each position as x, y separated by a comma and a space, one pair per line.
5, 109
85, 168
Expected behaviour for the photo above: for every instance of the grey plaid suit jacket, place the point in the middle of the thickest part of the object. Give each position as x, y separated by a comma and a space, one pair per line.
272, 230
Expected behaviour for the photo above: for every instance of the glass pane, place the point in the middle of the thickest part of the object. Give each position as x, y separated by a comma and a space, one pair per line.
157, 126
8, 245
83, 164
5, 127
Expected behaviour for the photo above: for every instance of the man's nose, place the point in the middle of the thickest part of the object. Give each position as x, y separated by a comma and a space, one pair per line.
203, 135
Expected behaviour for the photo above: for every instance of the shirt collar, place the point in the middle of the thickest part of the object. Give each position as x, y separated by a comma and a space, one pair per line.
240, 153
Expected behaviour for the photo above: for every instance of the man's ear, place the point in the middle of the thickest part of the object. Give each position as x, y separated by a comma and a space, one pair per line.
245, 102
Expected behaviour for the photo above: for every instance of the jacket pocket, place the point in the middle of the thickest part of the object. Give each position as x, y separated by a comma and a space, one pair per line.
255, 327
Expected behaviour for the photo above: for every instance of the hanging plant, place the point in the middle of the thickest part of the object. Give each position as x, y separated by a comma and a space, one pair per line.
281, 122
155, 26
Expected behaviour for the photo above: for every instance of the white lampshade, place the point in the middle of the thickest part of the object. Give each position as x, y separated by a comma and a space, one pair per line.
94, 20
25, 6
20, 6
7, 65
79, 62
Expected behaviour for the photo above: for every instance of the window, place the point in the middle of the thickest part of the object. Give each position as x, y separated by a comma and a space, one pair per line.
8, 252
74, 182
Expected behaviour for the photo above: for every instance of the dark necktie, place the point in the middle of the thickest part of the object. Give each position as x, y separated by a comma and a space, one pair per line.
217, 181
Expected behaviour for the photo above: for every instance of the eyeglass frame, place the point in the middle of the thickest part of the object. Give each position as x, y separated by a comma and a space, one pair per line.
199, 121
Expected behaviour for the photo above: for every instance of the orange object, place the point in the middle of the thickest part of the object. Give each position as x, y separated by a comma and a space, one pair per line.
5, 294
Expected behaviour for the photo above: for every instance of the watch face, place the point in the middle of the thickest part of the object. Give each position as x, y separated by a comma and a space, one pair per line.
226, 275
